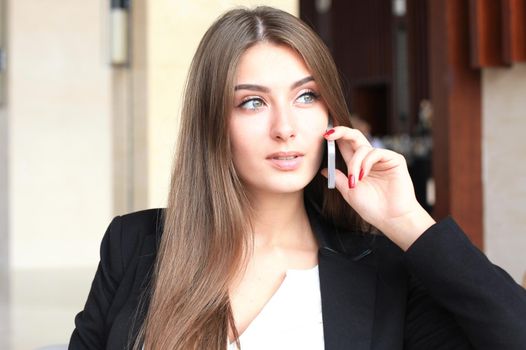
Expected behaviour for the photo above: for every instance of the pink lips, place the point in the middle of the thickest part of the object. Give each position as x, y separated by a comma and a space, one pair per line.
286, 161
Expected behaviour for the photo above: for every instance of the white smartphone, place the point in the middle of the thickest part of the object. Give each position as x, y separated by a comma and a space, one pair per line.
331, 160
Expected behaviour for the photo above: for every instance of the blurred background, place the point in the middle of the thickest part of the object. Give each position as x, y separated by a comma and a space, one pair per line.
89, 103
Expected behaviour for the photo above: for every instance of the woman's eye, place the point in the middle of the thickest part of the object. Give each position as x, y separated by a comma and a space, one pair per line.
252, 104
307, 97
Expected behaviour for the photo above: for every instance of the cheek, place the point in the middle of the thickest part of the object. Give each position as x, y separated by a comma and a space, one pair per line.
316, 131
319, 118
241, 146
319, 152
313, 133
236, 143
317, 125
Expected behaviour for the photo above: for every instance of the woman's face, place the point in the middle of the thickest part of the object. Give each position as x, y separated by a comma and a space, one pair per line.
278, 121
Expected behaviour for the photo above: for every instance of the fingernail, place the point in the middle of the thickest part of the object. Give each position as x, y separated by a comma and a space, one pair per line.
352, 181
361, 175
329, 132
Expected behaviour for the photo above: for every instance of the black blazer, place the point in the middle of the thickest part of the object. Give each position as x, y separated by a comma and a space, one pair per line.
442, 293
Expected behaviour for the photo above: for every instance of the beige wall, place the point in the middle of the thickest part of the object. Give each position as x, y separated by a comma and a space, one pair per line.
59, 132
59, 162
4, 239
504, 167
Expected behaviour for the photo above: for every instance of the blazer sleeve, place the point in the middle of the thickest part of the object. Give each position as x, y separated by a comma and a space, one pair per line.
91, 324
482, 301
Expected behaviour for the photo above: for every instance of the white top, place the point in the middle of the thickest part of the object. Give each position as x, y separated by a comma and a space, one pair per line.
291, 319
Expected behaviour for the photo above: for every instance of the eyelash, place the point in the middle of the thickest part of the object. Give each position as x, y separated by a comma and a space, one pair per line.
309, 92
249, 99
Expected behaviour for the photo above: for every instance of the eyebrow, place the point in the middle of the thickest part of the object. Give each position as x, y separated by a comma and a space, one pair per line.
255, 87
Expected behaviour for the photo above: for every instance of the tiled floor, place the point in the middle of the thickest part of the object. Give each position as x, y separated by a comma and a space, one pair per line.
39, 306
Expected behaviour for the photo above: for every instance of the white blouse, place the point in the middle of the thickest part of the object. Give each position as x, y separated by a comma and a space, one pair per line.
292, 317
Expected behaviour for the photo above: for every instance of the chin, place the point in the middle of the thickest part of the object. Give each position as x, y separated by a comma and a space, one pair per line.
289, 189
280, 185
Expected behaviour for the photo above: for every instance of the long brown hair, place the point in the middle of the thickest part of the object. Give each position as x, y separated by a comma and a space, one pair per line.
207, 222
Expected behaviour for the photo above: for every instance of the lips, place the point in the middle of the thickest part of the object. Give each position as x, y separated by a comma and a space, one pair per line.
286, 161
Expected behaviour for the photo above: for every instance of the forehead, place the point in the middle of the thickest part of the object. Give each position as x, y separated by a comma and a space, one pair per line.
268, 64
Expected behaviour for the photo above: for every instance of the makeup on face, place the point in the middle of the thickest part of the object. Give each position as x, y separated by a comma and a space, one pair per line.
276, 121
286, 161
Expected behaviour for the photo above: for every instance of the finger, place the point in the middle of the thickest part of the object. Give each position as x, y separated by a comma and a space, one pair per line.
380, 159
348, 140
351, 135
342, 182
354, 166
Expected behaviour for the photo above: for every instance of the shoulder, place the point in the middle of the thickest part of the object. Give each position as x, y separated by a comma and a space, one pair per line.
145, 222
127, 234
126, 257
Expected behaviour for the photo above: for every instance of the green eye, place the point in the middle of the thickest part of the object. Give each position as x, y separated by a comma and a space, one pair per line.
252, 104
307, 98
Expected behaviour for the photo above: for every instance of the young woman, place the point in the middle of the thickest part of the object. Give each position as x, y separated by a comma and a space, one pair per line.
255, 252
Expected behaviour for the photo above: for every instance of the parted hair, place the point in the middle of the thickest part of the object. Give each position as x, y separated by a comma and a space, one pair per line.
207, 224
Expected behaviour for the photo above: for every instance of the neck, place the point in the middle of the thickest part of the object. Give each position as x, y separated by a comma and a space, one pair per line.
281, 220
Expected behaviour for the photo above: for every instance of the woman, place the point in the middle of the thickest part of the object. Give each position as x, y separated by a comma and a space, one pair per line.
254, 251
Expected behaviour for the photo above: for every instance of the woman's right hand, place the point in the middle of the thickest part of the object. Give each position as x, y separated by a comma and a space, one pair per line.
378, 187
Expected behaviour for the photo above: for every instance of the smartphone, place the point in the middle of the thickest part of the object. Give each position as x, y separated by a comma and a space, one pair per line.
331, 160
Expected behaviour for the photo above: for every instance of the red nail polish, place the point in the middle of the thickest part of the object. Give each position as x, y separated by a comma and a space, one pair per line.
352, 181
329, 132
361, 175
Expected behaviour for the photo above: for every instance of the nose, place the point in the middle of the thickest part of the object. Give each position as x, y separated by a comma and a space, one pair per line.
283, 127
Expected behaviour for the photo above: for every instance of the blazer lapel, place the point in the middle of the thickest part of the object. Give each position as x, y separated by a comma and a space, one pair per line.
348, 291
347, 286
